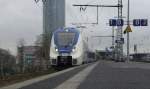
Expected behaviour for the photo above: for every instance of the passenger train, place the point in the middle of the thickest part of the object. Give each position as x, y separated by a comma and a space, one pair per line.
67, 48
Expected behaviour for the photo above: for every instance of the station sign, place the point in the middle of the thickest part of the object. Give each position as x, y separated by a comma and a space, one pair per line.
136, 22
128, 29
140, 22
121, 41
144, 22
120, 22
112, 22
116, 22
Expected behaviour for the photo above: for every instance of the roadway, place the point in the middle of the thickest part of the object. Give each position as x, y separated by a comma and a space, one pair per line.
99, 75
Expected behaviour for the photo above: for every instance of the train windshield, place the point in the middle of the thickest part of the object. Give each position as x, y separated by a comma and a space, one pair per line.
66, 38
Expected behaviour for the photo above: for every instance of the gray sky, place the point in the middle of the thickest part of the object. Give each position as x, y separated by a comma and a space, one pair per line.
19, 19
23, 19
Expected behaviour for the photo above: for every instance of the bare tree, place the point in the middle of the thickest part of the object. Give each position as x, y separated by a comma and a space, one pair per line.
39, 40
39, 51
7, 62
1, 65
20, 48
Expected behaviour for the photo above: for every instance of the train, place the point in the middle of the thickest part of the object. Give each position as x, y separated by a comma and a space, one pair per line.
68, 48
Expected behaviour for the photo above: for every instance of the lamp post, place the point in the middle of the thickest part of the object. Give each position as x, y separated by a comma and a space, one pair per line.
128, 36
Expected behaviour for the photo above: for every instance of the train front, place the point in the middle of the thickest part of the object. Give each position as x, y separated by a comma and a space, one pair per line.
63, 46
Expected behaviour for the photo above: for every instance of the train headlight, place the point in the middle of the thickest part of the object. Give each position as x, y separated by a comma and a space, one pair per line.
74, 48
56, 49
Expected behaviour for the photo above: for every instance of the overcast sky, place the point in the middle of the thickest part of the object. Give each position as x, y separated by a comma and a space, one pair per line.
23, 19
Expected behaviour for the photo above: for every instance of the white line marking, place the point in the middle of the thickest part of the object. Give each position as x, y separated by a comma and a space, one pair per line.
75, 81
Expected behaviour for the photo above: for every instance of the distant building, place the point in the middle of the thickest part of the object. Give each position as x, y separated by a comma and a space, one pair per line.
105, 55
140, 57
28, 57
101, 54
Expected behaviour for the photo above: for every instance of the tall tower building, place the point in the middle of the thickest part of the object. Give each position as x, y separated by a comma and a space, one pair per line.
53, 18
53, 14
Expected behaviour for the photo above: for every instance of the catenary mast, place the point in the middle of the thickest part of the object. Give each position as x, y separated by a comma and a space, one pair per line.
119, 35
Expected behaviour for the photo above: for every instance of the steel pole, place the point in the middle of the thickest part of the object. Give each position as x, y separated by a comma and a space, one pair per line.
113, 41
97, 14
113, 36
128, 35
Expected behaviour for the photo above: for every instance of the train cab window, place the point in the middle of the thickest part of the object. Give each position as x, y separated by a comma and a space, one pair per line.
65, 38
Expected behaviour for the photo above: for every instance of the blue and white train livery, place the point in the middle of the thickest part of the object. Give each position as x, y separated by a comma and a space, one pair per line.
67, 48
